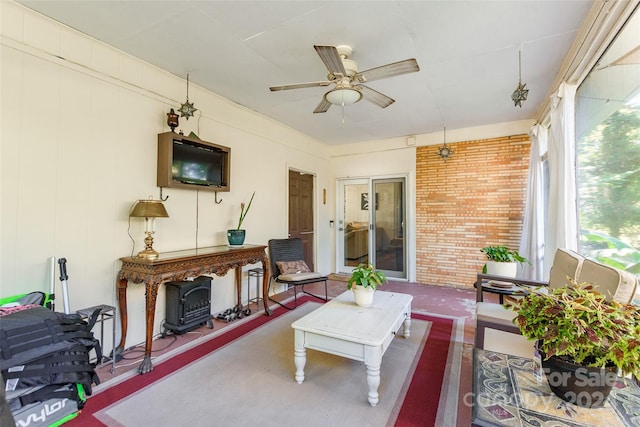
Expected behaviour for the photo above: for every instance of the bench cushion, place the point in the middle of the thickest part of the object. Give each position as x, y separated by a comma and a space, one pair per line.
613, 283
566, 263
495, 313
297, 277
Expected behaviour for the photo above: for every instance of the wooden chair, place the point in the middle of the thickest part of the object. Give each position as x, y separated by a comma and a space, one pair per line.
288, 253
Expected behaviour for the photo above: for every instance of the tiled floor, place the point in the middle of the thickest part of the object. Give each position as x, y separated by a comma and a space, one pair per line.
427, 298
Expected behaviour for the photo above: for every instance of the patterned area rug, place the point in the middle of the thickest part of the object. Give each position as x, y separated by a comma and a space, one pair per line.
244, 377
507, 393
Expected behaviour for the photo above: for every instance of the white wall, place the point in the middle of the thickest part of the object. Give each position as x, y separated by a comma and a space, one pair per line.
78, 148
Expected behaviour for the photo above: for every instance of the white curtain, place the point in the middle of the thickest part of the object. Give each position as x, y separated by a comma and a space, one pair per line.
562, 217
532, 241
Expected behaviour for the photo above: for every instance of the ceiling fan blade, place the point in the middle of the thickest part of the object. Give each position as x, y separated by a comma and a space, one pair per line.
299, 86
375, 97
331, 59
389, 70
323, 106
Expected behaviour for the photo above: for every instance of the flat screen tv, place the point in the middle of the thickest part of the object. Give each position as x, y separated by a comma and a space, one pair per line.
197, 165
192, 163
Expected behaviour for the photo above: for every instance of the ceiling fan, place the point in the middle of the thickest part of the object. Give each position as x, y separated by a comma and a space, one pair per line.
343, 73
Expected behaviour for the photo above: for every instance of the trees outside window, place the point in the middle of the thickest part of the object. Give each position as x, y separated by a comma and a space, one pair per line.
609, 190
608, 155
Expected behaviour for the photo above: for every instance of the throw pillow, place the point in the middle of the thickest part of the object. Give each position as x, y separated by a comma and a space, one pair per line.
292, 267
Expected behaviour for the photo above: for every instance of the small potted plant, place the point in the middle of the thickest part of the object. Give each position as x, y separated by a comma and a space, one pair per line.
503, 261
236, 236
583, 340
364, 280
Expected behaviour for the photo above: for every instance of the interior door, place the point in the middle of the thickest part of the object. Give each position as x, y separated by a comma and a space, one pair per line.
371, 225
301, 212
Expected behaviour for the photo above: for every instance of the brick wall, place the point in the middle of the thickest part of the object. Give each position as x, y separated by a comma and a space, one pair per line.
474, 199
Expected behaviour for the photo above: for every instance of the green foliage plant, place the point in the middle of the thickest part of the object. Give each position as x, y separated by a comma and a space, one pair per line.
609, 175
610, 251
367, 276
579, 324
502, 254
243, 211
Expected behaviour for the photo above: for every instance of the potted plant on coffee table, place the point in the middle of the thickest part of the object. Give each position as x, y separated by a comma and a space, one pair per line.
583, 340
503, 261
364, 280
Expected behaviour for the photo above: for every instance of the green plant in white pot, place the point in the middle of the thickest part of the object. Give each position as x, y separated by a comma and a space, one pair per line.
502, 261
364, 281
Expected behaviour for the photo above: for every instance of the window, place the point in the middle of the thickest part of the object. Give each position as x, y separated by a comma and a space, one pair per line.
608, 153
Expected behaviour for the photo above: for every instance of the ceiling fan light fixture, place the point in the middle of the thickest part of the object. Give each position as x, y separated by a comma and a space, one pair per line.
343, 96
345, 75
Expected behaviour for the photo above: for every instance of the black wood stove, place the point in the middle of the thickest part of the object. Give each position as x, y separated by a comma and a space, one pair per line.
188, 305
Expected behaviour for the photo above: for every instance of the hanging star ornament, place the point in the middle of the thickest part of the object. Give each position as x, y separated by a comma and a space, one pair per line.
444, 152
187, 110
520, 94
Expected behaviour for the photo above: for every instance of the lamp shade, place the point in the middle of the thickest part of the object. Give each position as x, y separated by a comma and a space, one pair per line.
149, 209
343, 96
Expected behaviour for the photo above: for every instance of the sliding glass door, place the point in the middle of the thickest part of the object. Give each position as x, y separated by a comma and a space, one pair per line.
388, 218
371, 225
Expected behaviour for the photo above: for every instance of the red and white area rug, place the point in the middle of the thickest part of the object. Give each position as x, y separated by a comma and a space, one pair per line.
243, 375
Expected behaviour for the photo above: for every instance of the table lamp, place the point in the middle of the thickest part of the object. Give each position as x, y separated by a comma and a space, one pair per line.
149, 210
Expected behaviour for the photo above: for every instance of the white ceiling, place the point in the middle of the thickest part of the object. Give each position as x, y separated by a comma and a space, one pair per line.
467, 52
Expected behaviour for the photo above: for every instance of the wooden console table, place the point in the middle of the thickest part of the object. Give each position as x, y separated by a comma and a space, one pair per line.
179, 265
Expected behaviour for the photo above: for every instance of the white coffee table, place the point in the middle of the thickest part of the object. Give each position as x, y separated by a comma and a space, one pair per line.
342, 328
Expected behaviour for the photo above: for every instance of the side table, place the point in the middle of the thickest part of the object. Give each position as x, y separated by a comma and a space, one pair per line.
489, 286
107, 312
258, 274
